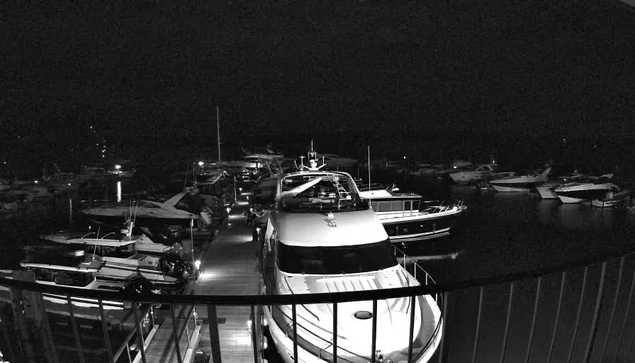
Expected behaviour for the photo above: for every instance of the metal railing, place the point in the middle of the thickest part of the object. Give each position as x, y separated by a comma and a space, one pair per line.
574, 312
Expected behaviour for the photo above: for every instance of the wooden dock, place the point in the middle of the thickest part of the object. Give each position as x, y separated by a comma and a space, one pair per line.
228, 267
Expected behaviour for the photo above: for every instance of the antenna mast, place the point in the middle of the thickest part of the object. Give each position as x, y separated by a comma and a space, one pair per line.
218, 130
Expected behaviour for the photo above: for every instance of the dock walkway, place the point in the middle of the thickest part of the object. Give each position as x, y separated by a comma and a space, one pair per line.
228, 267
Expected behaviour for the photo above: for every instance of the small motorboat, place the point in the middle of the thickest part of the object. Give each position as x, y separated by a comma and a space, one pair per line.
613, 199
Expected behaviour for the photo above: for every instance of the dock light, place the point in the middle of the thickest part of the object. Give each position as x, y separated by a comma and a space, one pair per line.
228, 209
197, 264
201, 163
117, 167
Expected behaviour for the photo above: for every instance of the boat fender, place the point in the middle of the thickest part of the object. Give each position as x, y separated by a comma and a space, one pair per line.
206, 217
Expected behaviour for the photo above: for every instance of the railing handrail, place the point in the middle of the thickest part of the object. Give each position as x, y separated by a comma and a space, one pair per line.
242, 300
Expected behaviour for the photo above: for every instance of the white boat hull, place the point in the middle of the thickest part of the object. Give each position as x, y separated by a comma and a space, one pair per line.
570, 200
283, 341
510, 189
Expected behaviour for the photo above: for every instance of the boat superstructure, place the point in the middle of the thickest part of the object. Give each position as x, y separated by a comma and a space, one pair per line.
124, 254
73, 269
520, 183
407, 217
584, 191
322, 237
546, 190
478, 173
174, 210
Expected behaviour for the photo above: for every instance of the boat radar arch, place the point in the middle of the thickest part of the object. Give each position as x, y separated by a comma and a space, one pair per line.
313, 161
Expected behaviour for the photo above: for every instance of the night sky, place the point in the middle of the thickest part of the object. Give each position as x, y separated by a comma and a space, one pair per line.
436, 79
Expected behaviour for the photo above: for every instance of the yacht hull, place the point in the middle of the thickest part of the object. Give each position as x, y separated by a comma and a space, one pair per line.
578, 193
280, 328
420, 227
511, 188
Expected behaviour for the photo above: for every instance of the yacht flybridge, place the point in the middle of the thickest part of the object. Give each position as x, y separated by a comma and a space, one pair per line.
321, 237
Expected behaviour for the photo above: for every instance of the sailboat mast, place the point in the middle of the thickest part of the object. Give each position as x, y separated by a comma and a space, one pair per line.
368, 167
218, 130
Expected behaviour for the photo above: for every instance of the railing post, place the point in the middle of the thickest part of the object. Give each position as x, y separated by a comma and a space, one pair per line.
335, 332
255, 333
78, 342
445, 327
555, 323
177, 346
478, 323
577, 319
596, 315
413, 302
187, 331
140, 338
373, 344
294, 317
626, 314
510, 299
617, 293
105, 330
533, 320
213, 333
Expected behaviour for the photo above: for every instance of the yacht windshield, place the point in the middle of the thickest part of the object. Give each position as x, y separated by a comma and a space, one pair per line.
319, 192
336, 260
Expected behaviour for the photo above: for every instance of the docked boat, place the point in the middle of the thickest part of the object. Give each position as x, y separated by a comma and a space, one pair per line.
520, 183
584, 191
73, 269
479, 173
323, 238
125, 254
613, 199
179, 209
546, 190
407, 217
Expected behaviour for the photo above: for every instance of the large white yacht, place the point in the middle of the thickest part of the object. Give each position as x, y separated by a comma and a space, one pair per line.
321, 237
408, 217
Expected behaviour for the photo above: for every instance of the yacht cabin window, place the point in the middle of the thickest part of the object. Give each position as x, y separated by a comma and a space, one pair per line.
335, 260
68, 278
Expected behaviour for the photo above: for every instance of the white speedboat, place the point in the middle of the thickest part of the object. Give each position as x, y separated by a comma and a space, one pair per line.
125, 254
407, 217
323, 238
520, 183
578, 192
546, 190
76, 270
479, 173
176, 210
